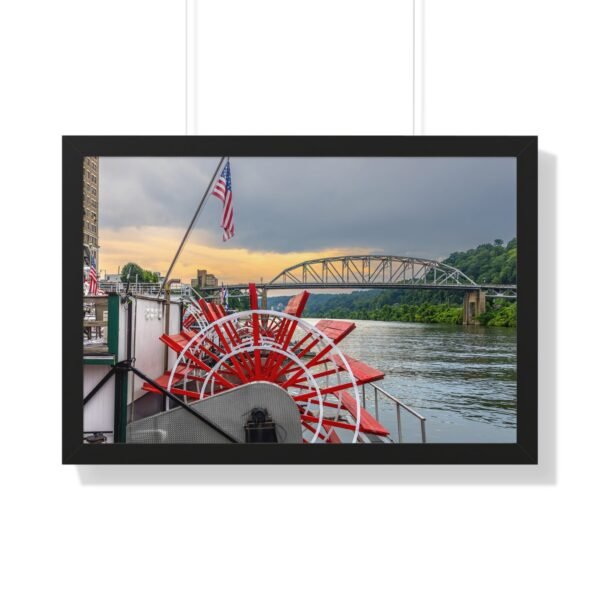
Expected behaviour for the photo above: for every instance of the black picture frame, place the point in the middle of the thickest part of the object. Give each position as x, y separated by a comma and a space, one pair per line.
523, 148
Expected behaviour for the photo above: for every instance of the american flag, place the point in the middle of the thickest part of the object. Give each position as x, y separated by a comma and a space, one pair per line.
223, 192
93, 279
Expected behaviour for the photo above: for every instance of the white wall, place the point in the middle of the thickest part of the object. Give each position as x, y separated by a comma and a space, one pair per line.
419, 532
148, 325
149, 351
99, 412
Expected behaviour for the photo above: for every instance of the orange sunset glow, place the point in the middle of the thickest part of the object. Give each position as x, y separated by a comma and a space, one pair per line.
154, 247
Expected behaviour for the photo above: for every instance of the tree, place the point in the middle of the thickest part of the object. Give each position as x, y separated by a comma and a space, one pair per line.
131, 270
134, 270
150, 277
488, 263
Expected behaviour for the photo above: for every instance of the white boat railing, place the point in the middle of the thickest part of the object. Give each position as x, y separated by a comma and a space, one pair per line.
144, 289
399, 407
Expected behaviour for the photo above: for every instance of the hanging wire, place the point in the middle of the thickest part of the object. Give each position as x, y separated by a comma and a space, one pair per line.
189, 38
187, 130
414, 66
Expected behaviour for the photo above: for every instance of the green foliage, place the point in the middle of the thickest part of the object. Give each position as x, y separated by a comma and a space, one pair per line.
488, 263
150, 277
500, 315
238, 301
412, 313
143, 276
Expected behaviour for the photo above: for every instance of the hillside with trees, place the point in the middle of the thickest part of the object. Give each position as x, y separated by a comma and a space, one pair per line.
488, 263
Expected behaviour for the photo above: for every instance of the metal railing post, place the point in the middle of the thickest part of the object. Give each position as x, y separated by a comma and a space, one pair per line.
399, 406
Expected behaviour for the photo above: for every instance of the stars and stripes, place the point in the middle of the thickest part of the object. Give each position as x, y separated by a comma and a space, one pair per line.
93, 277
222, 190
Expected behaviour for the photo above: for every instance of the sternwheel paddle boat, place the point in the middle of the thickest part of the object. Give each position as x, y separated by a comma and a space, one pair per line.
260, 376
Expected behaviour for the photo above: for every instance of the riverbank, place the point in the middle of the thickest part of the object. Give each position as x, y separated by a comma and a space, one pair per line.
502, 315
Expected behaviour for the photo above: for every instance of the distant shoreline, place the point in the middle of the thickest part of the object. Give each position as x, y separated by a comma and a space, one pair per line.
502, 315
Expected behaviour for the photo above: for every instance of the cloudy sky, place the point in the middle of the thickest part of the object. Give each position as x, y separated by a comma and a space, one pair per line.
287, 210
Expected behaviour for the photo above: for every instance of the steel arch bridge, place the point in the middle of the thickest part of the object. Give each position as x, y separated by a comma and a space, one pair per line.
377, 271
374, 270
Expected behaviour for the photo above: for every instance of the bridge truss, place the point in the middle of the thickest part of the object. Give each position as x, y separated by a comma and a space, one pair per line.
377, 271
370, 269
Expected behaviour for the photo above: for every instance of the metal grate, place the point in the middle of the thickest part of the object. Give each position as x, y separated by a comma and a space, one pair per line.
230, 410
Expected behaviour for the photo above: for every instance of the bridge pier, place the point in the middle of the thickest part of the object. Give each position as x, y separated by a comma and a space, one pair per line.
263, 299
473, 306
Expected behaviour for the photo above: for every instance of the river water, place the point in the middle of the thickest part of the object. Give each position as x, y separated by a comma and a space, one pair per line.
463, 379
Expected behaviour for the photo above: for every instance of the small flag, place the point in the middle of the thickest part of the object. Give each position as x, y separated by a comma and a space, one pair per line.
224, 296
93, 279
223, 191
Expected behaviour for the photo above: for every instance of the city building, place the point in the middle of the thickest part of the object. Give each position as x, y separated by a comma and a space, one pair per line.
91, 243
204, 279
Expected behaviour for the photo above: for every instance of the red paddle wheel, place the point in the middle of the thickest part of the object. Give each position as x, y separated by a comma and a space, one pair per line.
224, 352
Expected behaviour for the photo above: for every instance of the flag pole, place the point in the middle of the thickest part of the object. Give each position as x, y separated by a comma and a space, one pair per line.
189, 229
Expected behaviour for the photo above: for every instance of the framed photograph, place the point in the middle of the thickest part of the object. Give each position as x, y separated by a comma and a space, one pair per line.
326, 300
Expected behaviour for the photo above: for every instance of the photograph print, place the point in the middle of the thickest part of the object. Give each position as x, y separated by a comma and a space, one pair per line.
308, 300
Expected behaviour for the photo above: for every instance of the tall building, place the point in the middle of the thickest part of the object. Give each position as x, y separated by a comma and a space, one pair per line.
90, 209
204, 279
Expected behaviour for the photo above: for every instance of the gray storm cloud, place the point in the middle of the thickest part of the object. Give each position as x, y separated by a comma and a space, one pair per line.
425, 207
